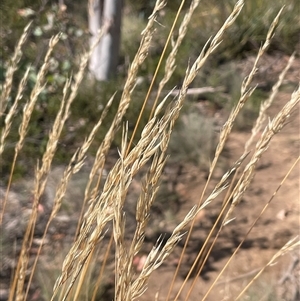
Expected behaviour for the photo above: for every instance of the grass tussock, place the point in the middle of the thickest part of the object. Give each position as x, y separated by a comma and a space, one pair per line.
102, 226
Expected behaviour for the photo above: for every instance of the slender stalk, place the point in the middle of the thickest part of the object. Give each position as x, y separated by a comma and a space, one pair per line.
154, 78
19, 278
251, 227
225, 131
288, 247
11, 70
5, 132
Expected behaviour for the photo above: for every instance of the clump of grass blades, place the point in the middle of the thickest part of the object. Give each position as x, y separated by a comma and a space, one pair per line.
102, 207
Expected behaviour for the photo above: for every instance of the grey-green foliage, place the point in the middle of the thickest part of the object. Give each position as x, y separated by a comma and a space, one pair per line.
193, 140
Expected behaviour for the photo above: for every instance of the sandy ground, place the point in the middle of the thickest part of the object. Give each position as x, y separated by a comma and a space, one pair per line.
278, 224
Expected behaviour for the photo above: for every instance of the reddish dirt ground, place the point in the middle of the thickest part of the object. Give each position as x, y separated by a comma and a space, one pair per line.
278, 224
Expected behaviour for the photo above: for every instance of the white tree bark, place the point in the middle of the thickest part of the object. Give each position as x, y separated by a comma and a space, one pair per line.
104, 59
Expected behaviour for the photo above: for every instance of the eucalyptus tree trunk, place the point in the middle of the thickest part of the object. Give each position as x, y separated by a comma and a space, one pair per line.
104, 59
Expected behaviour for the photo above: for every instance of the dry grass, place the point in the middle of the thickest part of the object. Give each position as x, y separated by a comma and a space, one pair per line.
100, 207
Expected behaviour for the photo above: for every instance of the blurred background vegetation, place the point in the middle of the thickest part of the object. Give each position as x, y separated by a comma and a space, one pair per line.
242, 40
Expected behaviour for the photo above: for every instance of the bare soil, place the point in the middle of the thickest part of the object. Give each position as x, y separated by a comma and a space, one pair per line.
278, 224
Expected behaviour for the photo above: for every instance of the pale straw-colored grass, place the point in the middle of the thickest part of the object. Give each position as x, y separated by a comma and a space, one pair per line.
39, 187
224, 213
101, 208
7, 127
170, 64
29, 107
226, 128
273, 127
262, 117
248, 232
246, 92
11, 113
12, 67
19, 278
